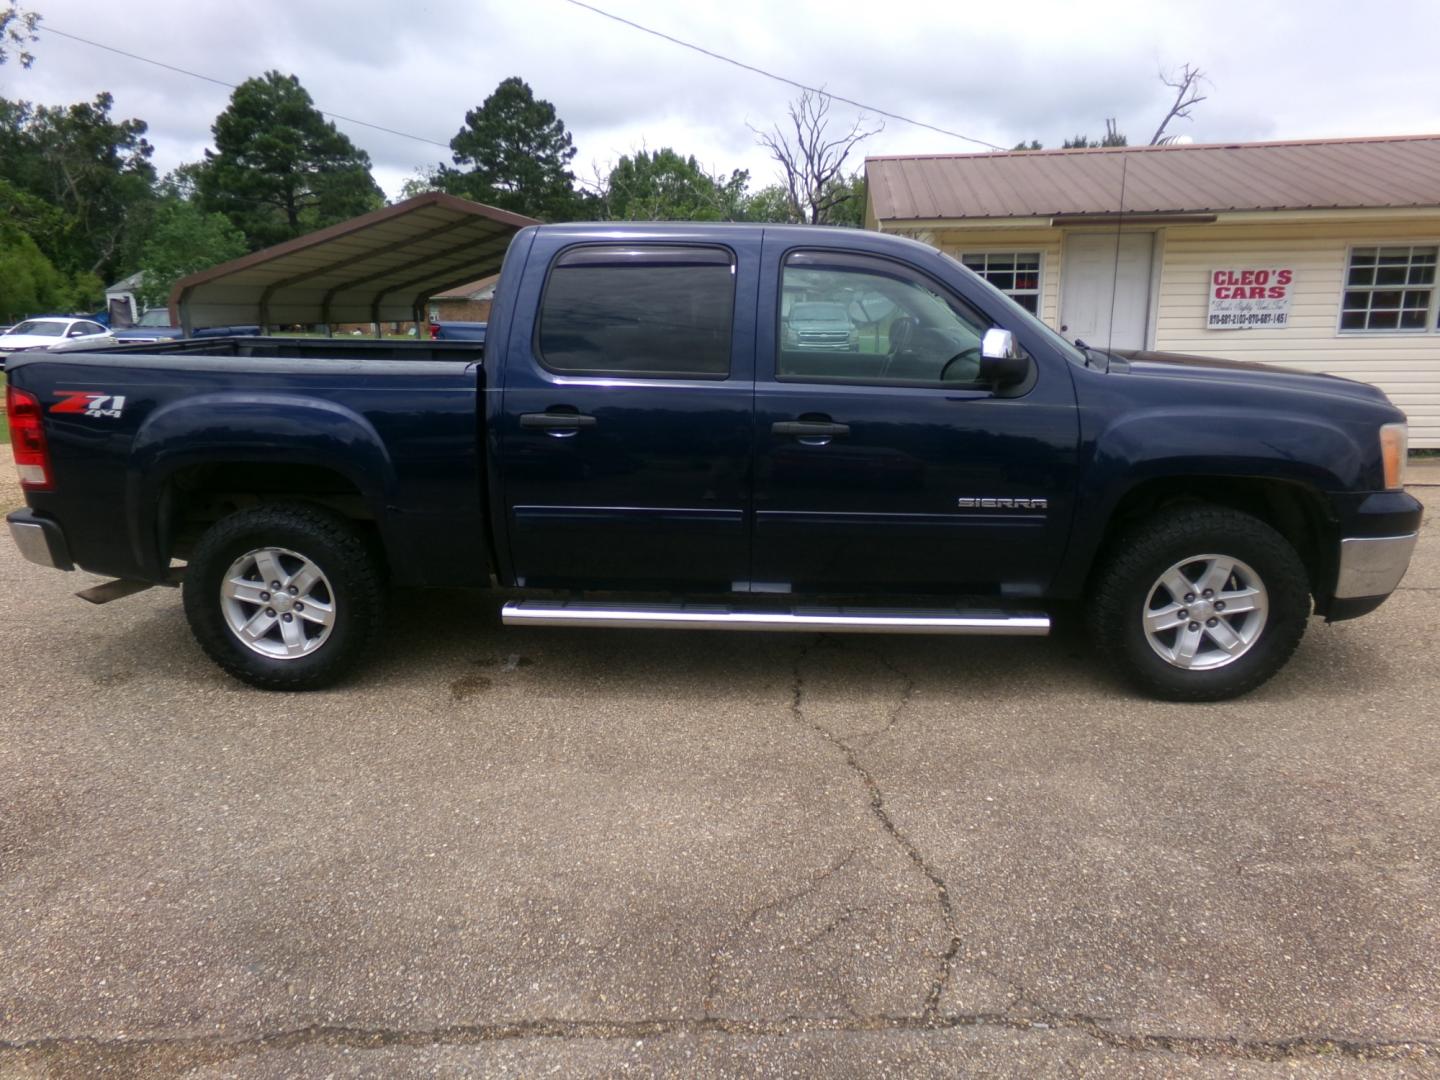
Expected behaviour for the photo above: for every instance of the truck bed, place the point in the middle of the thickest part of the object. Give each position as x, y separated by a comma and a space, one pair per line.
168, 436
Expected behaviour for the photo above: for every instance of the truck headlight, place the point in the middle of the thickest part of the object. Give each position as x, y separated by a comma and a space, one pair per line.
1394, 446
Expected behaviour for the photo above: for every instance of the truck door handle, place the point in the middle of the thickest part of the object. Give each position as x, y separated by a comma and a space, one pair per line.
556, 423
809, 429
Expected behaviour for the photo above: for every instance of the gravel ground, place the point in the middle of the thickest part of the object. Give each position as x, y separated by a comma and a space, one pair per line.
524, 852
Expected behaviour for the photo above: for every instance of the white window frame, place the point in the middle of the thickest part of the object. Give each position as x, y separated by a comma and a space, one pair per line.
1432, 312
1013, 252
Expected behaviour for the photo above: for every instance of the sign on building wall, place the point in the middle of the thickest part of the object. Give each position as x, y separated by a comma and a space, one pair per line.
1250, 299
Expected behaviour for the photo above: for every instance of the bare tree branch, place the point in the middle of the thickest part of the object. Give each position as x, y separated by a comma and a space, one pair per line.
1186, 84
810, 162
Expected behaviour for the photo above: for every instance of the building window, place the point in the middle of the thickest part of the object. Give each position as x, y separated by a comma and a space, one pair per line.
1015, 273
1389, 288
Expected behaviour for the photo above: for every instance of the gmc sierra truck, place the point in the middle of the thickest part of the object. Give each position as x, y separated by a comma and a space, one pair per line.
646, 439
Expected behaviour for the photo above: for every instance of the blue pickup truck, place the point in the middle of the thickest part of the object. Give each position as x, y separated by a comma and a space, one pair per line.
644, 440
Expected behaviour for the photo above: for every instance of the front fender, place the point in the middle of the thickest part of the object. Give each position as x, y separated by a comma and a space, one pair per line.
1225, 441
1218, 443
250, 428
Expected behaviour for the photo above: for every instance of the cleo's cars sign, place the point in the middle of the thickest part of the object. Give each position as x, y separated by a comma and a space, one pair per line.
1250, 299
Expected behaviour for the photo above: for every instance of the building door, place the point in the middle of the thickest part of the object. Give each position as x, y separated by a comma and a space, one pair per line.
1105, 289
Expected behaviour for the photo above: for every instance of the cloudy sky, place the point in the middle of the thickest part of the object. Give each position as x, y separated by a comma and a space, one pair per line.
994, 72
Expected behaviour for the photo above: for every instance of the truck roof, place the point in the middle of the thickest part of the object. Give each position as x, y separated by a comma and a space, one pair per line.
810, 235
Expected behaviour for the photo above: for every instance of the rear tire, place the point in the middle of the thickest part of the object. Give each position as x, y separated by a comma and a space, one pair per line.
313, 628
1151, 614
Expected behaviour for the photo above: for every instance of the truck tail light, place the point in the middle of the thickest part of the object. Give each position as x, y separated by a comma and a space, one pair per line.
27, 439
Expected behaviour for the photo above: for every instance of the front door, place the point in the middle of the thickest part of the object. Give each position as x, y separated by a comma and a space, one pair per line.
1105, 289
882, 463
625, 429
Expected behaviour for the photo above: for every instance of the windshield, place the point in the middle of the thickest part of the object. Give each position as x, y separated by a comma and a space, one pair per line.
157, 316
1021, 315
38, 328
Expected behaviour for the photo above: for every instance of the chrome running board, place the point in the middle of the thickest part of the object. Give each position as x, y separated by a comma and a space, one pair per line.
849, 620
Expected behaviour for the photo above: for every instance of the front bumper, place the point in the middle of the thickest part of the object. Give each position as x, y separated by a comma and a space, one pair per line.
1378, 532
1373, 565
39, 539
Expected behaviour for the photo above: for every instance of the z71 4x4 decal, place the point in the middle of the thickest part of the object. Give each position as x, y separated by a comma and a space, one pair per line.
89, 403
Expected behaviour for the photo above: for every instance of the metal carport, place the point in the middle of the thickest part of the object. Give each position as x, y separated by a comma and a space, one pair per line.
378, 267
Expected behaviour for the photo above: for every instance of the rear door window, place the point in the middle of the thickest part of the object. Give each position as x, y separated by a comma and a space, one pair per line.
648, 311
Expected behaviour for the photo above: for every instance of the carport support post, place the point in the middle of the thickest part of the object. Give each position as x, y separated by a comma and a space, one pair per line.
375, 316
422, 316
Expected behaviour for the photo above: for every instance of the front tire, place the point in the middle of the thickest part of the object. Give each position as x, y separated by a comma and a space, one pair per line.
1199, 604
284, 597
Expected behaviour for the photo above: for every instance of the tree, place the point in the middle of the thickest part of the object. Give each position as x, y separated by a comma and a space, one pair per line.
1113, 137
811, 160
1033, 144
423, 181
847, 195
771, 203
279, 168
17, 32
1186, 84
184, 239
29, 282
516, 155
663, 186
94, 170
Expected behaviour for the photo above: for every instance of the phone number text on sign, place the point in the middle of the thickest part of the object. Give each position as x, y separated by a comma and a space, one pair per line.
1247, 299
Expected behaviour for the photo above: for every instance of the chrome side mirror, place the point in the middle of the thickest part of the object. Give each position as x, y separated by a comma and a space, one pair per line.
1001, 360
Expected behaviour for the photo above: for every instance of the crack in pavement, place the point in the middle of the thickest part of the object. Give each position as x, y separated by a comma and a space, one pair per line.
877, 808
712, 975
146, 1055
901, 703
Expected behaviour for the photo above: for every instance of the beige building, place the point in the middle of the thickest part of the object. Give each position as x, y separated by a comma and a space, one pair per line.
1317, 255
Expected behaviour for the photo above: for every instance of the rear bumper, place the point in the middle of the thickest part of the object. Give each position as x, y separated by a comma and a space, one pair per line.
39, 539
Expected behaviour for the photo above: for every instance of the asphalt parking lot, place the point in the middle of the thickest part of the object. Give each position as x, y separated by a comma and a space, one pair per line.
535, 852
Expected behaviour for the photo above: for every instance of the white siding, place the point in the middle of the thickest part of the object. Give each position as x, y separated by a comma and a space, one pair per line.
1405, 365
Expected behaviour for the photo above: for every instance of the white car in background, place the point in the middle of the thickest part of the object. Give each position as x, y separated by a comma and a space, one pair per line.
55, 334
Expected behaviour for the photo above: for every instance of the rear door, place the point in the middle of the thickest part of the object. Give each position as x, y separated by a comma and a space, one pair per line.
628, 406
882, 464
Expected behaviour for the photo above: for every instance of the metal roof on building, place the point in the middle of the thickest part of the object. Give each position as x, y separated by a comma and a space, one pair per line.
377, 267
1401, 171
